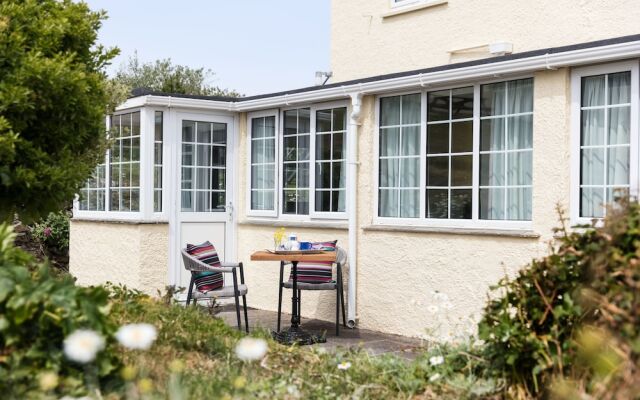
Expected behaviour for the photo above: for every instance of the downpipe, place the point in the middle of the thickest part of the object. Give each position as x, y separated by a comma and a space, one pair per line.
352, 203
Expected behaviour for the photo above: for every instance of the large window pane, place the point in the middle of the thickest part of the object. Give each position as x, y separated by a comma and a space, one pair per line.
263, 142
157, 161
399, 164
124, 163
605, 141
506, 150
451, 139
295, 172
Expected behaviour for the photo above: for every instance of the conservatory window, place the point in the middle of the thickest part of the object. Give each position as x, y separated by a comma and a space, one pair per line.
157, 161
124, 162
506, 150
92, 195
399, 163
450, 154
295, 163
605, 140
263, 163
330, 157
474, 162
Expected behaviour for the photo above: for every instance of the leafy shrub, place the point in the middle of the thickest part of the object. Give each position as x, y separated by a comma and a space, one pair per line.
53, 232
572, 319
37, 312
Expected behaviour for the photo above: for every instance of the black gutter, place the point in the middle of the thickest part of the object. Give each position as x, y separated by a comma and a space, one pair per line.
447, 67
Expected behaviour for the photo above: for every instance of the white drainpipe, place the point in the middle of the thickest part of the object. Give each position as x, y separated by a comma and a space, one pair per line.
352, 174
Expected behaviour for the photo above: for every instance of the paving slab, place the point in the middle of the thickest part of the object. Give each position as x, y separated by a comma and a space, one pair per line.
375, 343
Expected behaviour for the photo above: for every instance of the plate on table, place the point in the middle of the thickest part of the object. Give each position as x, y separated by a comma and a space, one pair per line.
286, 252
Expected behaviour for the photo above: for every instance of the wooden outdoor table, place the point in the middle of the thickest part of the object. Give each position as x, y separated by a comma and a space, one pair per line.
295, 334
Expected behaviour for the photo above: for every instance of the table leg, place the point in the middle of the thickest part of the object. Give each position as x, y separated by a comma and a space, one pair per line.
295, 334
295, 321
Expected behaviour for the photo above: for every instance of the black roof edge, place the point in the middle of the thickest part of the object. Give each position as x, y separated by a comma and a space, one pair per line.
484, 61
138, 92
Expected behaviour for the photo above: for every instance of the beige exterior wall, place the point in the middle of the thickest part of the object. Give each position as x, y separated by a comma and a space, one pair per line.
135, 255
397, 271
365, 44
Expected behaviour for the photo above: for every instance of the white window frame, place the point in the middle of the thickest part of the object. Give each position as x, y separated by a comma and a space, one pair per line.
475, 222
145, 211
313, 214
276, 203
279, 200
576, 104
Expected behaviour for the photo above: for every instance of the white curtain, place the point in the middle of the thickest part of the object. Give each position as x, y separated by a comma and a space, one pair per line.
507, 133
400, 172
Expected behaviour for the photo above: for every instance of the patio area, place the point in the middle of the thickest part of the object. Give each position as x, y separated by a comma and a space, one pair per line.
375, 343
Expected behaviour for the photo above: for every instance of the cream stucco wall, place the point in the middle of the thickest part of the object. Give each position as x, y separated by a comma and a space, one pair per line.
397, 271
135, 255
365, 44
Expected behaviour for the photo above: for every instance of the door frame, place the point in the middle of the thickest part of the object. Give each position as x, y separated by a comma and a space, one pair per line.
174, 213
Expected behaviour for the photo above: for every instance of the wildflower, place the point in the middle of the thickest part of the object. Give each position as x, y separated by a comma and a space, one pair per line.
176, 366
47, 231
128, 373
137, 336
434, 377
250, 349
512, 311
436, 360
48, 381
559, 297
83, 345
145, 385
240, 382
345, 365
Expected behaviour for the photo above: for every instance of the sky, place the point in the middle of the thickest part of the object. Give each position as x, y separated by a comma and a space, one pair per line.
253, 46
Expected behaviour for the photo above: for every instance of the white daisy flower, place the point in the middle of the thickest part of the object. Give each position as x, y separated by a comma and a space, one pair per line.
83, 345
436, 360
137, 336
345, 365
251, 349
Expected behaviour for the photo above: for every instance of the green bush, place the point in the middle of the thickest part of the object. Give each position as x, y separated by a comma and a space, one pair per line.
572, 319
53, 232
37, 312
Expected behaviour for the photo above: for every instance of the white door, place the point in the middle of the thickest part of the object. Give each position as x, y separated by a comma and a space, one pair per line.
205, 195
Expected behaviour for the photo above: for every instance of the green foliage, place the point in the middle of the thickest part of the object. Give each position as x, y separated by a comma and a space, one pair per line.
37, 311
164, 76
52, 103
584, 296
53, 232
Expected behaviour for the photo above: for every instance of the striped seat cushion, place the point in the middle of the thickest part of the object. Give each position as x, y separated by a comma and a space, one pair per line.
206, 280
316, 272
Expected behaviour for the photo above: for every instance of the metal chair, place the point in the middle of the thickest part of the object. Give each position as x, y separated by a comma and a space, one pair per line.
194, 265
337, 285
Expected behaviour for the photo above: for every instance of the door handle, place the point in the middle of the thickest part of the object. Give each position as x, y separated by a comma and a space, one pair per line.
229, 209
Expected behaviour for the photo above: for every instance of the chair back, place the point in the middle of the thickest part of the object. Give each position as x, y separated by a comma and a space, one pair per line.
193, 264
341, 256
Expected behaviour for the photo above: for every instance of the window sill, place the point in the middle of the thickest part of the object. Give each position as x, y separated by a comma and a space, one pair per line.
119, 221
277, 223
517, 233
407, 9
